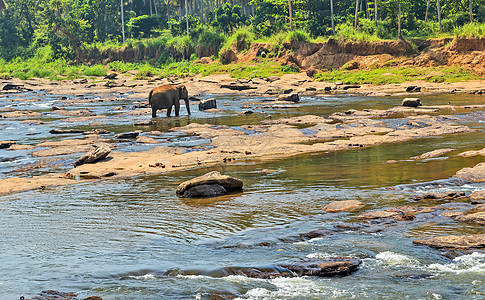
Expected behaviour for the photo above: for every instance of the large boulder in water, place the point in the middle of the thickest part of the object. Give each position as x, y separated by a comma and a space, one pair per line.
211, 185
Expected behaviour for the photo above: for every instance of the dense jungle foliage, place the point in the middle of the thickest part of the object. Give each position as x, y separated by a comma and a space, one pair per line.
77, 30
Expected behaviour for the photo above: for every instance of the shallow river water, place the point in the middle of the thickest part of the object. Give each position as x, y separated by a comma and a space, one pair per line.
118, 238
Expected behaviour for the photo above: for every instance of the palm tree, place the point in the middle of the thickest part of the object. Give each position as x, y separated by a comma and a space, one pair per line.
399, 35
375, 12
291, 16
123, 20
331, 12
427, 11
356, 12
439, 12
3, 5
471, 11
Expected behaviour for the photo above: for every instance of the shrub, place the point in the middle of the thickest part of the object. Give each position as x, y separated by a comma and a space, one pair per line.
241, 39
209, 43
228, 17
96, 70
143, 26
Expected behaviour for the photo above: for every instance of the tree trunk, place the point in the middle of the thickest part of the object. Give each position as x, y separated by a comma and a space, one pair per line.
399, 35
151, 8
291, 16
356, 13
375, 12
471, 11
439, 12
168, 13
427, 11
155, 6
187, 17
367, 15
331, 12
122, 20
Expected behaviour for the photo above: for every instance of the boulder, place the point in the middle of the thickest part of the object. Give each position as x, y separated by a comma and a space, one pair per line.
440, 196
205, 191
338, 206
229, 183
311, 72
411, 102
127, 135
475, 174
228, 56
461, 242
477, 218
478, 195
6, 144
293, 97
207, 104
98, 153
324, 269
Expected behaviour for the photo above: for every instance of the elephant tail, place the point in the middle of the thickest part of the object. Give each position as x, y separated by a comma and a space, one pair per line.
150, 97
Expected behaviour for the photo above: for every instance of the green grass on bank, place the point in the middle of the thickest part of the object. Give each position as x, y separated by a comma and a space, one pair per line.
62, 70
389, 75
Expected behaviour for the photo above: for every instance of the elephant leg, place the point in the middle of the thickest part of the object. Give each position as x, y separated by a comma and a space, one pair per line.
154, 112
169, 111
177, 108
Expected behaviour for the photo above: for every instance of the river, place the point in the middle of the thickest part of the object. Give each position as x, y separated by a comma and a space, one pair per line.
118, 238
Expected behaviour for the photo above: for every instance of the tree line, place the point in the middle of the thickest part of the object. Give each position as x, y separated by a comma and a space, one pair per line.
67, 25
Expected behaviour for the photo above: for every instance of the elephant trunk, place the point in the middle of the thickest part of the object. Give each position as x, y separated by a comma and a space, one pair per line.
187, 105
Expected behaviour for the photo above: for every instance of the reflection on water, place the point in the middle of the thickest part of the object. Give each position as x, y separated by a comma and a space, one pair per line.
117, 238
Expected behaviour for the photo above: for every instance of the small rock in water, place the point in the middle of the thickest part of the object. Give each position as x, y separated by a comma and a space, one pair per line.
411, 102
475, 218
440, 196
205, 191
207, 104
338, 206
293, 97
127, 135
6, 144
229, 184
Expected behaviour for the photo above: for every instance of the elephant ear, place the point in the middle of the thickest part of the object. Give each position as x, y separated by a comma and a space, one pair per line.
182, 91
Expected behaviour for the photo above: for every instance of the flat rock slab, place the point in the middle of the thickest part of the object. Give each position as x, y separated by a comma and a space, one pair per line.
454, 241
431, 154
324, 268
472, 153
475, 218
440, 196
338, 206
479, 207
475, 174
380, 214
213, 178
478, 195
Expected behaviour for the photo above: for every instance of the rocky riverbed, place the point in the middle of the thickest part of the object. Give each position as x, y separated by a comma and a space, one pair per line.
331, 181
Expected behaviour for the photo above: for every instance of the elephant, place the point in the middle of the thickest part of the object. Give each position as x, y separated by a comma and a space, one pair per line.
166, 96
